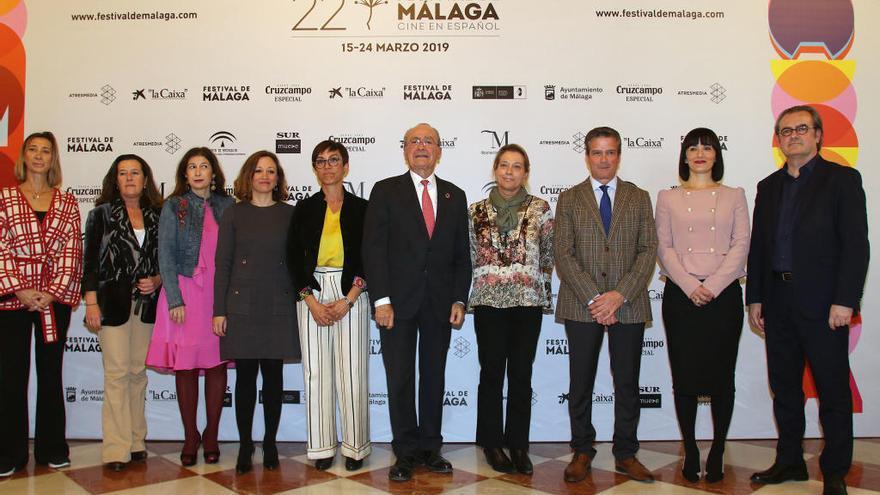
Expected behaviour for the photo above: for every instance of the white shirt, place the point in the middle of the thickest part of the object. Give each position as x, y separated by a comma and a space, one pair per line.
612, 189
432, 193
140, 234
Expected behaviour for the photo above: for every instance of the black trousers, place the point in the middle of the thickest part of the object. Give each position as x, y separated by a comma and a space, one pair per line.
793, 338
506, 338
625, 352
413, 433
16, 328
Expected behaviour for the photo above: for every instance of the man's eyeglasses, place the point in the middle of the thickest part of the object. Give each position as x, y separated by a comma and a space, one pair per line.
427, 141
799, 130
333, 161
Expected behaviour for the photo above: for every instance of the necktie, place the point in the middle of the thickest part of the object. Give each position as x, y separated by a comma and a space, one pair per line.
605, 208
428, 209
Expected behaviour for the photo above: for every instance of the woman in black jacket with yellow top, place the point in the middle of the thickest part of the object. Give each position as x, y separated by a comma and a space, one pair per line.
324, 258
120, 286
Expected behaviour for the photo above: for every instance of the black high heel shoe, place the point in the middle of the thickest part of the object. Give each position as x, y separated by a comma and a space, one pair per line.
270, 456
691, 468
245, 460
715, 464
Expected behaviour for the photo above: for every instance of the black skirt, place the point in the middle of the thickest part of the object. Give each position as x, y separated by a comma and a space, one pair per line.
703, 341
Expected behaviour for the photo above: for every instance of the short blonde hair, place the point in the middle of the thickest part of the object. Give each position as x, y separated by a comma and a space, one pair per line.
54, 175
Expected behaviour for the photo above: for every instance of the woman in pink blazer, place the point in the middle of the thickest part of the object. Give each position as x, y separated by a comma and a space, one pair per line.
703, 230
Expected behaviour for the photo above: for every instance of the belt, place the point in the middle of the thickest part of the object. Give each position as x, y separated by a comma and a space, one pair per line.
784, 276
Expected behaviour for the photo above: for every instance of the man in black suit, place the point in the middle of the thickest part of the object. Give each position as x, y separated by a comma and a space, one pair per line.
418, 267
807, 266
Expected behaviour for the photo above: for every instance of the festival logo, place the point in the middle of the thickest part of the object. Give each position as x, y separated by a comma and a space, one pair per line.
456, 398
427, 92
226, 93
90, 144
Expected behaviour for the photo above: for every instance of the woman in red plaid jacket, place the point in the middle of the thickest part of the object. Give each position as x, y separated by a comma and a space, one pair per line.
40, 274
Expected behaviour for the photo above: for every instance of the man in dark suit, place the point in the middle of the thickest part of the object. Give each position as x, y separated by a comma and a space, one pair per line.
418, 267
806, 271
605, 249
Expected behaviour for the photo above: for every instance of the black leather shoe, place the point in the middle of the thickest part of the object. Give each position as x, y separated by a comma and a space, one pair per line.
521, 461
436, 463
323, 464
116, 466
402, 469
270, 456
353, 464
498, 460
779, 473
139, 456
7, 470
834, 485
245, 460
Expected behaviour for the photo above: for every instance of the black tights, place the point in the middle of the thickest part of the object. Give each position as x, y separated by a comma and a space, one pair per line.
722, 412
246, 396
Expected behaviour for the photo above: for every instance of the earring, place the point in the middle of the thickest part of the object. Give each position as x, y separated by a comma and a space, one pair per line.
275, 188
213, 184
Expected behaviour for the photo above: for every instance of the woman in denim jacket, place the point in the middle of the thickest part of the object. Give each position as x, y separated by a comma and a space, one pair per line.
183, 341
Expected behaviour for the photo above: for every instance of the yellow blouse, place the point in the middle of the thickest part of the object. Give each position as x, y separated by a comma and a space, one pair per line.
330, 252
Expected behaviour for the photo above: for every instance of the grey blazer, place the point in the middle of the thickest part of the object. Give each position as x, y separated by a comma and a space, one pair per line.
589, 263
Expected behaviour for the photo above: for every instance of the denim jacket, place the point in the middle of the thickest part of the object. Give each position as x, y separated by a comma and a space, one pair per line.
180, 238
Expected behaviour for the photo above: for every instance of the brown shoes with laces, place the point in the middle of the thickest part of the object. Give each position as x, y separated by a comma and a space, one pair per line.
634, 469
578, 468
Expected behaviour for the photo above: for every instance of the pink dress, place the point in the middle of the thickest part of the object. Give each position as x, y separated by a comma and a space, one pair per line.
192, 345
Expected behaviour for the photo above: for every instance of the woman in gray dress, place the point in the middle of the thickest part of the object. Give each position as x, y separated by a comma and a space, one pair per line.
254, 300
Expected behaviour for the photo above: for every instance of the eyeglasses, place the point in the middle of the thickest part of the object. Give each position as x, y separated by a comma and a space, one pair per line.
800, 130
427, 141
330, 162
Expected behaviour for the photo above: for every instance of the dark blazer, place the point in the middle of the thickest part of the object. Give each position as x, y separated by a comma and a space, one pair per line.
401, 262
114, 261
304, 239
831, 251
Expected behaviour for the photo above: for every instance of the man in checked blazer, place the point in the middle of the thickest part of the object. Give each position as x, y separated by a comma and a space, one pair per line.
605, 249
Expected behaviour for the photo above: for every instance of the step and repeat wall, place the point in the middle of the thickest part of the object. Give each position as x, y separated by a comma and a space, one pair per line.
156, 78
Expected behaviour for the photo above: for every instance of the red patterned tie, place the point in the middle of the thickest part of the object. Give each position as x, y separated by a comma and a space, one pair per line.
427, 209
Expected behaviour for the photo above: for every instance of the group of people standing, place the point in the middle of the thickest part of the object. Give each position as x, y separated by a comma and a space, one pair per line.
203, 282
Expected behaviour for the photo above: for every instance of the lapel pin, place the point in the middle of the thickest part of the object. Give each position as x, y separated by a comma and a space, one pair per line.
446, 195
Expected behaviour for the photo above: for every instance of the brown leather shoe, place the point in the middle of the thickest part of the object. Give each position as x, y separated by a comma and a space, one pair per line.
578, 468
634, 469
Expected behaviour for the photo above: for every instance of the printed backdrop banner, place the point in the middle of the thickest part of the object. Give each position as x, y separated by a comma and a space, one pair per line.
160, 77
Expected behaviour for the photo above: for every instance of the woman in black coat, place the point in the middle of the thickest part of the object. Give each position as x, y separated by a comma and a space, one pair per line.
324, 258
121, 286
